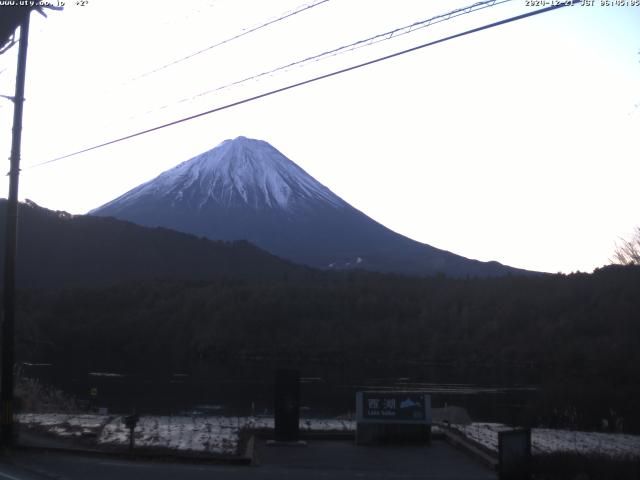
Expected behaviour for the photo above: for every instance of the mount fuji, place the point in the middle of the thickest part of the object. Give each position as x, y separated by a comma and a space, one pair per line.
245, 189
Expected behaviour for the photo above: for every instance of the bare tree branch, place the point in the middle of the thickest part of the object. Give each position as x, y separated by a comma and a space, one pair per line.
627, 252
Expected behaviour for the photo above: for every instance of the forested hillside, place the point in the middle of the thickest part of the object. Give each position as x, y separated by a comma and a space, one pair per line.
582, 329
59, 249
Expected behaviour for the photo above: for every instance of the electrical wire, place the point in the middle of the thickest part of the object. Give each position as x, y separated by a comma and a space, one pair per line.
395, 33
314, 79
283, 16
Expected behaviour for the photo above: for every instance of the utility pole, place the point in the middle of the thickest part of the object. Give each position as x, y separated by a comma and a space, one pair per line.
11, 237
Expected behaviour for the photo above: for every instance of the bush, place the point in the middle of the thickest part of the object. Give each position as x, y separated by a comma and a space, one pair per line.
34, 397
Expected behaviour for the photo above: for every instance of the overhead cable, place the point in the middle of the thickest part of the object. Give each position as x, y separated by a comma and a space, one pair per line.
381, 37
314, 79
283, 16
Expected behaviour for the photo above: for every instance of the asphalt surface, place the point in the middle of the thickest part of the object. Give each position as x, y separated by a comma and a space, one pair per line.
342, 459
319, 459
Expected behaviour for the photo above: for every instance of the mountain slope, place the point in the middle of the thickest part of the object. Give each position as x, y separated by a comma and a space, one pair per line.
59, 249
246, 189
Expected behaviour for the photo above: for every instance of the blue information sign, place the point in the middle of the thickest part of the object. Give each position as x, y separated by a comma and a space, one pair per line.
393, 407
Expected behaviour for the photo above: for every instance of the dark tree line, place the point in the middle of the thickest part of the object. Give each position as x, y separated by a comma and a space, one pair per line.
581, 330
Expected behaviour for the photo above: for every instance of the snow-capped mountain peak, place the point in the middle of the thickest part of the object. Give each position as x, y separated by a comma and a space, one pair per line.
238, 171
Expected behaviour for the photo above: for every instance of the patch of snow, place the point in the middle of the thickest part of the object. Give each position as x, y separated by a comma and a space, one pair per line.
65, 425
327, 425
545, 440
306, 424
213, 434
221, 435
200, 434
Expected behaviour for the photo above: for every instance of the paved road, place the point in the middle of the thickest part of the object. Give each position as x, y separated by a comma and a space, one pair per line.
319, 460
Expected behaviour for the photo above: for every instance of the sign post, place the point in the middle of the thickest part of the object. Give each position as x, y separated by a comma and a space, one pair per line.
287, 405
130, 422
514, 453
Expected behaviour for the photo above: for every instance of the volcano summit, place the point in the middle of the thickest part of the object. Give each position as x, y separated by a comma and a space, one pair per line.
245, 189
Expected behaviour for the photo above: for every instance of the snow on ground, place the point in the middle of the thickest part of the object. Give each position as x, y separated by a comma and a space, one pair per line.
221, 435
306, 424
207, 434
545, 440
199, 434
611, 444
65, 425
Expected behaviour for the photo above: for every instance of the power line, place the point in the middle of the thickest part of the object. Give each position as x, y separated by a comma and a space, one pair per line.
381, 37
388, 35
312, 80
189, 15
284, 16
7, 46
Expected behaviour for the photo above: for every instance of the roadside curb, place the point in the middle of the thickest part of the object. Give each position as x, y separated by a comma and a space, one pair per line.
470, 447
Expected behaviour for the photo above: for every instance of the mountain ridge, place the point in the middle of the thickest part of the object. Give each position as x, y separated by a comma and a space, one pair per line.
59, 249
247, 189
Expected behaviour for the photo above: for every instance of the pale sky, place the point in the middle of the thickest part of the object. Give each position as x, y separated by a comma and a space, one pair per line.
517, 144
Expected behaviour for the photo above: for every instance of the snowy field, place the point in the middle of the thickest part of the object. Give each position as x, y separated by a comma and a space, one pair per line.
215, 435
221, 435
544, 440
